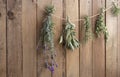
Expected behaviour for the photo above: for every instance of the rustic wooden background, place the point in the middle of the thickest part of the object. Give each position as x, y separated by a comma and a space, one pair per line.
20, 22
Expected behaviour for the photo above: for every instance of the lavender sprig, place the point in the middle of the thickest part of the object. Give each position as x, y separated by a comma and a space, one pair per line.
47, 39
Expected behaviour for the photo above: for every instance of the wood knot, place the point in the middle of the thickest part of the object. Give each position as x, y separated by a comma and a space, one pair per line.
10, 15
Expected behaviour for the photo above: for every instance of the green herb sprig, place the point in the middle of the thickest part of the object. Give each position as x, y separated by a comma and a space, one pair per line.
47, 33
88, 33
100, 26
68, 38
115, 10
47, 39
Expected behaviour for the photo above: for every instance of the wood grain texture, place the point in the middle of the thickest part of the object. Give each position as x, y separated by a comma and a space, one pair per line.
72, 58
2, 38
14, 38
60, 58
85, 47
41, 70
98, 45
20, 26
111, 47
118, 45
29, 38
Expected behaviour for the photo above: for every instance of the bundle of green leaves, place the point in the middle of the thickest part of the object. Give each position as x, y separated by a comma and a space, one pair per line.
100, 26
68, 38
47, 39
115, 9
88, 33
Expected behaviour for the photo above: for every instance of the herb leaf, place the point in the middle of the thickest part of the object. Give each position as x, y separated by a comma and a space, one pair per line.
100, 26
115, 10
68, 37
88, 33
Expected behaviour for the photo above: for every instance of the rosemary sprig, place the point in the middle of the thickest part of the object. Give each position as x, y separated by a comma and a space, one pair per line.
115, 10
88, 33
47, 39
100, 26
68, 38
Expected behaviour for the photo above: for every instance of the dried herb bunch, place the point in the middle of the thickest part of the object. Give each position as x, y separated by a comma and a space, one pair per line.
68, 38
47, 40
100, 26
88, 33
115, 9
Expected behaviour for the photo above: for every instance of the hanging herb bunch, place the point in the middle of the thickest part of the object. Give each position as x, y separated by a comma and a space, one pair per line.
115, 9
88, 33
100, 26
47, 40
68, 39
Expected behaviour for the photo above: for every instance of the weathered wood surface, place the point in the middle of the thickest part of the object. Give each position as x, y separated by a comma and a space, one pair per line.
112, 44
14, 38
2, 38
29, 38
86, 47
20, 25
98, 45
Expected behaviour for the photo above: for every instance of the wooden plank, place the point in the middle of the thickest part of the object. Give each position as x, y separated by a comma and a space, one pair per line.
41, 70
98, 45
118, 41
111, 47
72, 58
85, 48
60, 58
2, 39
29, 38
14, 38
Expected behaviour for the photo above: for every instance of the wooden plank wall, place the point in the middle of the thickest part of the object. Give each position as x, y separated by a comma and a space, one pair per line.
86, 47
98, 45
20, 25
3, 71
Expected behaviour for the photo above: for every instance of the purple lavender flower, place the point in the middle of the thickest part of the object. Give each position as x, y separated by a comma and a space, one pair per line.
51, 68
